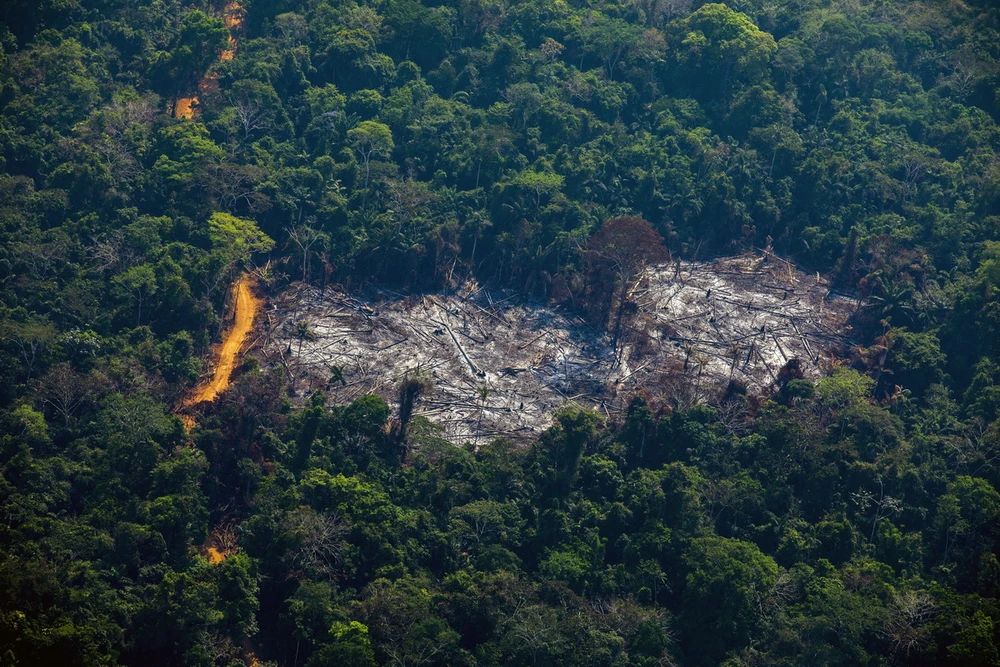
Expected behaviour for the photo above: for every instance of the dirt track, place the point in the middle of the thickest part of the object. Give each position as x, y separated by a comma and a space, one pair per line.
187, 106
246, 306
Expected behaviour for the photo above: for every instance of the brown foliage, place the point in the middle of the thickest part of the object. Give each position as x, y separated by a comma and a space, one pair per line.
615, 258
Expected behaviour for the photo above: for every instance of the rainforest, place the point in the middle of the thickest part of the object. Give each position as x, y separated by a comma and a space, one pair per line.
618, 333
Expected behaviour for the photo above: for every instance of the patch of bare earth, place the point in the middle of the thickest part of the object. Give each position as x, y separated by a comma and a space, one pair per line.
501, 364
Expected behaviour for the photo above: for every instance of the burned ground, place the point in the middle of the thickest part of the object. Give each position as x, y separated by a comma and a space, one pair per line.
501, 364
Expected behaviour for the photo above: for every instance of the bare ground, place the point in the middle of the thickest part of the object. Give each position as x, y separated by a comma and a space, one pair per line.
245, 309
698, 326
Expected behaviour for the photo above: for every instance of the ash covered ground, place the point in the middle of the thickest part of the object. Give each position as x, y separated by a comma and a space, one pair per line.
501, 364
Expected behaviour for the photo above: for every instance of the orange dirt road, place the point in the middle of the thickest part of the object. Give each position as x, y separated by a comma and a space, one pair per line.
246, 306
187, 107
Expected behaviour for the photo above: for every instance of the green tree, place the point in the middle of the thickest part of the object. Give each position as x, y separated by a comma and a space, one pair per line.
609, 39
138, 284
728, 588
965, 521
370, 139
348, 645
975, 644
236, 239
720, 47
561, 447
199, 42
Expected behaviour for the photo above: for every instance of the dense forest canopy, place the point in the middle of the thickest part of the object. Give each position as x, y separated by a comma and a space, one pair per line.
153, 151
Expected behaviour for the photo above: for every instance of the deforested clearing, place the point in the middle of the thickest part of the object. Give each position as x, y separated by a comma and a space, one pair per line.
501, 363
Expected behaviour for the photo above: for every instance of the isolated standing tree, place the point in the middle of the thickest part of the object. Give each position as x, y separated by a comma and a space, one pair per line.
304, 237
616, 257
303, 332
370, 139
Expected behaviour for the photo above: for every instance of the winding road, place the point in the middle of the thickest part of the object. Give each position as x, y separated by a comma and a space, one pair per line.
245, 304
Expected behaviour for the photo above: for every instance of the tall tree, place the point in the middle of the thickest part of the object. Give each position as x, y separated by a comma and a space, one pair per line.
370, 139
617, 256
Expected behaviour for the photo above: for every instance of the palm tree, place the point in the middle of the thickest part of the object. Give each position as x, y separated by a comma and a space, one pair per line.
303, 331
892, 299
